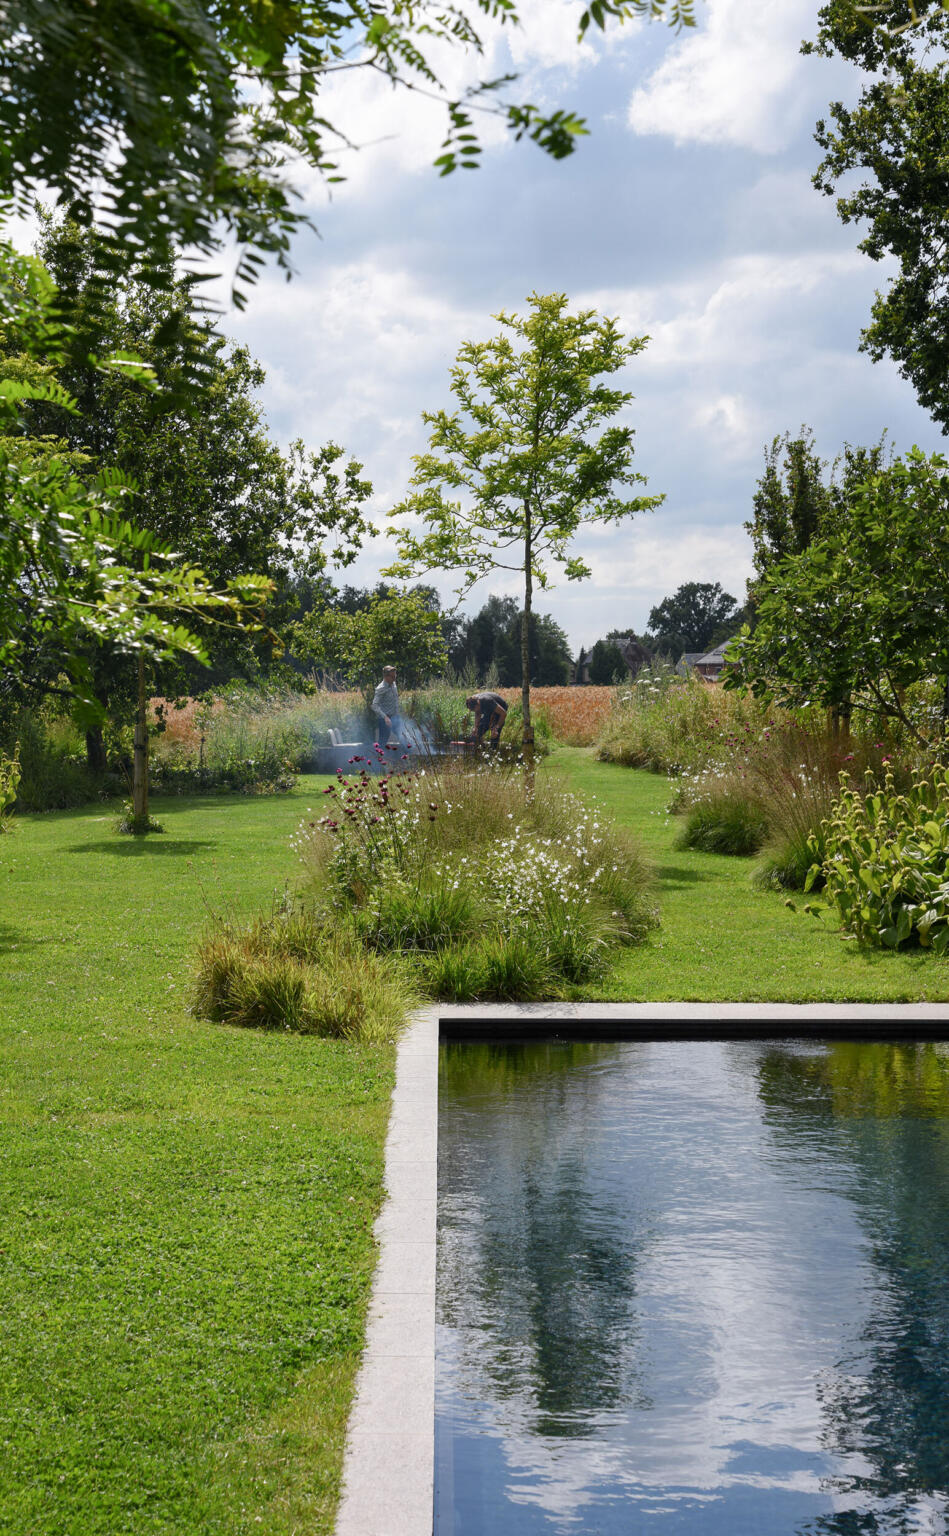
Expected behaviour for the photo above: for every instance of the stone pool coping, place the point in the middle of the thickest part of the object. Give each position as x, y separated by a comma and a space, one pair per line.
389, 1467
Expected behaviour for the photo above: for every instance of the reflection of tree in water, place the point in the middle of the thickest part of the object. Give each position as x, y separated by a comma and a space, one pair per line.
887, 1107
536, 1265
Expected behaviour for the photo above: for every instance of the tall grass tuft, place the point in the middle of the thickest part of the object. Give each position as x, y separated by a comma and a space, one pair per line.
782, 784
298, 973
672, 724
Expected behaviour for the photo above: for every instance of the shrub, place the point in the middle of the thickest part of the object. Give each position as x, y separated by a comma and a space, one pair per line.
886, 861
724, 823
786, 861
53, 771
296, 972
430, 861
9, 780
788, 778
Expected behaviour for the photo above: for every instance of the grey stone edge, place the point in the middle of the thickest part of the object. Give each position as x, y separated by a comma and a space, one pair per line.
389, 1466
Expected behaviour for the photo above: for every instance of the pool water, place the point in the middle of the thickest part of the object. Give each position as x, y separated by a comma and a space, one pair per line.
693, 1288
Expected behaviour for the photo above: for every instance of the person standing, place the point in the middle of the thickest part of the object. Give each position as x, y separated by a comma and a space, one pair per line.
490, 713
386, 708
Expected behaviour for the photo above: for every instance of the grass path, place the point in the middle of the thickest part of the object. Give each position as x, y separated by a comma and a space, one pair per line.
185, 1210
720, 938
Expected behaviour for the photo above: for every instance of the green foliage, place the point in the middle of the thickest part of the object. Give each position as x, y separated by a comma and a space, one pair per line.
522, 464
529, 887
800, 497
401, 630
490, 641
294, 972
202, 473
53, 772
886, 158
863, 611
607, 664
724, 823
788, 859
670, 724
886, 862
9, 783
696, 617
216, 107
73, 571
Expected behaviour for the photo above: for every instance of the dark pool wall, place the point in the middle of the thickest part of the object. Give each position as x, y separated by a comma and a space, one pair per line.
693, 1288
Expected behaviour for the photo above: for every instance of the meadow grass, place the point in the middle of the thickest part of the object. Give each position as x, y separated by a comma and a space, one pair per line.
723, 939
186, 1208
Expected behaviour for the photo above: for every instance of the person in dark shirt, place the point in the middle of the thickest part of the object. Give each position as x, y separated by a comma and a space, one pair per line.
490, 713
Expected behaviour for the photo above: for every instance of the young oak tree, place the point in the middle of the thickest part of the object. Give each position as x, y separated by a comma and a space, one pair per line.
522, 464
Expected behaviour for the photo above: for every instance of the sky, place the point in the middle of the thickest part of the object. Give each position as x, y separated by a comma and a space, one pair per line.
688, 213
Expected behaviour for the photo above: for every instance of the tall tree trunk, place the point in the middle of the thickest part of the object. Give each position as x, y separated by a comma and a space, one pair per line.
526, 639
95, 750
140, 760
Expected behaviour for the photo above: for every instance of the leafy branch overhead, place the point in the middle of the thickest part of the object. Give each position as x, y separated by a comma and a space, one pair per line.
886, 160
215, 106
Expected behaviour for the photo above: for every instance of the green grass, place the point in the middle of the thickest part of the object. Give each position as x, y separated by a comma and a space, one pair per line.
185, 1209
723, 940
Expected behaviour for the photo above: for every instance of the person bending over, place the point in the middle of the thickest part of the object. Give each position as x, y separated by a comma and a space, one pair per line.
386, 708
490, 713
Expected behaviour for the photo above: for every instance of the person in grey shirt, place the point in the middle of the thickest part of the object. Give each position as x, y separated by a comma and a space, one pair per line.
386, 708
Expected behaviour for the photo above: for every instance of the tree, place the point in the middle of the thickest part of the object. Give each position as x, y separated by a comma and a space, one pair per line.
896, 139
73, 571
208, 482
489, 643
400, 629
607, 663
526, 452
178, 123
863, 610
792, 500
693, 618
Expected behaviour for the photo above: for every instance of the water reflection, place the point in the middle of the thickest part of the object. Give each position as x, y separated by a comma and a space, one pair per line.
693, 1288
537, 1262
888, 1401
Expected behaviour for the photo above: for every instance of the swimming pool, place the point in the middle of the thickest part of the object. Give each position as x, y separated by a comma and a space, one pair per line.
693, 1287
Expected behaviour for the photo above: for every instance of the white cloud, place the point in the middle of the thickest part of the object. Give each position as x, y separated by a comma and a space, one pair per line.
397, 131
736, 81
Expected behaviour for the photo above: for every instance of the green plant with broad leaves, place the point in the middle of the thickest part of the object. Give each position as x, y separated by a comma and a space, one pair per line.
886, 862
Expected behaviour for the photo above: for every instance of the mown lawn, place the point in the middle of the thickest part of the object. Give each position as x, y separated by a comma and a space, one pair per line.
722, 940
185, 1210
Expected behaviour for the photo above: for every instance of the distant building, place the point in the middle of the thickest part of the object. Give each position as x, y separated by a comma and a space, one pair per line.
712, 664
686, 662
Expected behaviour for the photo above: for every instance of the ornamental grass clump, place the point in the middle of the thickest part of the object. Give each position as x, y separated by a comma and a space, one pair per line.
477, 864
885, 861
294, 971
771, 791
